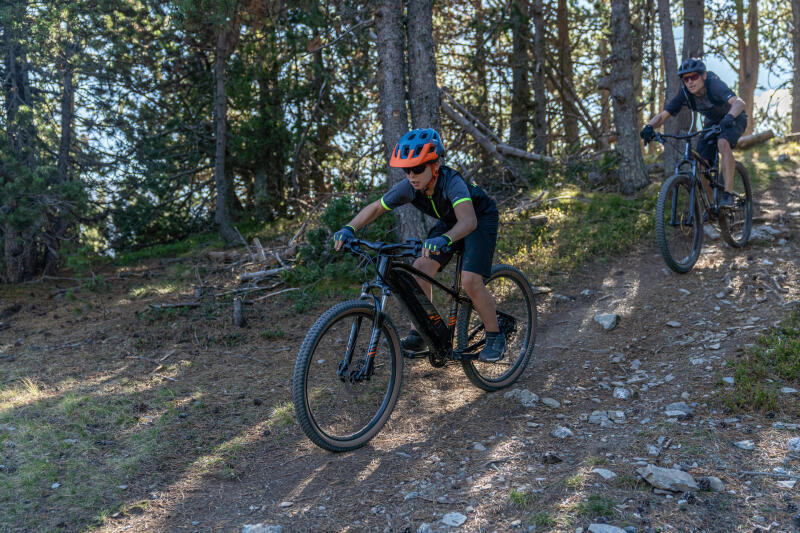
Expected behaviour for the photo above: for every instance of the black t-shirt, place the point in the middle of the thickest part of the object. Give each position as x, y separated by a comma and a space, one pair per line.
713, 105
450, 190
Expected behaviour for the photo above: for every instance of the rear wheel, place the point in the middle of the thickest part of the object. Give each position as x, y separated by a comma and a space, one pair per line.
735, 224
516, 314
679, 227
339, 407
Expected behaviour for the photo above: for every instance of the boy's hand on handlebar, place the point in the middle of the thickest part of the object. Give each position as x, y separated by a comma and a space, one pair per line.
434, 245
342, 236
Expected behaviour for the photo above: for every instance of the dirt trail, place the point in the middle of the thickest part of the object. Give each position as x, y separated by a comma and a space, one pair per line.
450, 448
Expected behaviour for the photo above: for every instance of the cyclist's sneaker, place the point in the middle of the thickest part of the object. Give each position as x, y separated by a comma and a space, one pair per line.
495, 347
725, 200
412, 342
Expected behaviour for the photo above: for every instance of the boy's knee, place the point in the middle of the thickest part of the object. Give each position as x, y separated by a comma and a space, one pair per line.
471, 281
723, 145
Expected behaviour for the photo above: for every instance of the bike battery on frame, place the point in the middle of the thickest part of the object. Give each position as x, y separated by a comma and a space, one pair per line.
417, 304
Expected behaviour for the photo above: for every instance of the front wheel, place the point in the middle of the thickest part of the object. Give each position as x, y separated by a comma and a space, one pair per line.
679, 226
735, 224
516, 315
340, 399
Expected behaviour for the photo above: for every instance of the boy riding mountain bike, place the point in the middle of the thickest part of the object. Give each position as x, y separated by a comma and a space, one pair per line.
704, 92
467, 220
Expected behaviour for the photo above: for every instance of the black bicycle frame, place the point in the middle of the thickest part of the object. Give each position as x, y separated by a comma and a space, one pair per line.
695, 179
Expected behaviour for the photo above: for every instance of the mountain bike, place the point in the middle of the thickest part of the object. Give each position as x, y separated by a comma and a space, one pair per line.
349, 369
684, 205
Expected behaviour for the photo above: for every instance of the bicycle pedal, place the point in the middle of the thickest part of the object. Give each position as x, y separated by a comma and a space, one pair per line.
415, 355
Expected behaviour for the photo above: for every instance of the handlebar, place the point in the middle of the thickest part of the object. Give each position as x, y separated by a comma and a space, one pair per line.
407, 248
707, 133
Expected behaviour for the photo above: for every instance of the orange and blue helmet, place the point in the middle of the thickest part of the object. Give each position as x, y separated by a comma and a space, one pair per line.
417, 147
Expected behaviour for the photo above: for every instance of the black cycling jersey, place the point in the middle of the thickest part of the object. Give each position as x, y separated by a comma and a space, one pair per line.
713, 105
450, 190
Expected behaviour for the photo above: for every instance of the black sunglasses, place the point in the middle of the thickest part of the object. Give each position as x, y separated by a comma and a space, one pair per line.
419, 169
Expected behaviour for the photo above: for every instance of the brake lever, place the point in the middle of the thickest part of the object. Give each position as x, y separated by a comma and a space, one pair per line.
714, 131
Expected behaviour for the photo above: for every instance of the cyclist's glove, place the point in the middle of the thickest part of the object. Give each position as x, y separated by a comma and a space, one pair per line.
344, 234
648, 133
435, 244
726, 122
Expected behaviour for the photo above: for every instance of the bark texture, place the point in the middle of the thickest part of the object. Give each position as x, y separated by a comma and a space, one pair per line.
693, 28
672, 85
749, 57
796, 76
391, 93
422, 86
565, 74
520, 91
632, 174
227, 38
539, 96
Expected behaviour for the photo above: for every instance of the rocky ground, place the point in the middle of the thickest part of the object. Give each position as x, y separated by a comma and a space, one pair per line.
608, 430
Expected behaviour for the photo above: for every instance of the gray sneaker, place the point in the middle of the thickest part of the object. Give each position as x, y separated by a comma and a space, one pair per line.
495, 348
725, 200
412, 342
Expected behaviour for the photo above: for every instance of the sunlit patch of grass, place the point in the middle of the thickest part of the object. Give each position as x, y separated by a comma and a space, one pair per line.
580, 226
154, 289
282, 414
759, 372
762, 163
575, 482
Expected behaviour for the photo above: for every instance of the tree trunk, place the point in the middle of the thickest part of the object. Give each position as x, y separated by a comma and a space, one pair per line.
796, 76
539, 95
670, 58
19, 247
226, 41
632, 174
59, 224
693, 13
571, 133
602, 142
422, 86
749, 57
520, 91
392, 97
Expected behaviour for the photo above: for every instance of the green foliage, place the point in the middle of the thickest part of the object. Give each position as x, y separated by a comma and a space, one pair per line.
759, 372
595, 505
543, 520
581, 226
521, 500
274, 333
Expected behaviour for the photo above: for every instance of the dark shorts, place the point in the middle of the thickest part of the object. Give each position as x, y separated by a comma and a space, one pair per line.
708, 148
478, 246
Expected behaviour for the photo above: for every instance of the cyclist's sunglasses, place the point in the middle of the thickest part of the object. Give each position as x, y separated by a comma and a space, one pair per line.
419, 169
690, 77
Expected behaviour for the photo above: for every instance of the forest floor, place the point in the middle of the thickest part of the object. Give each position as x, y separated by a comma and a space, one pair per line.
115, 416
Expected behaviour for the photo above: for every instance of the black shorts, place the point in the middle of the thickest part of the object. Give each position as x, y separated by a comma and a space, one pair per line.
708, 148
478, 246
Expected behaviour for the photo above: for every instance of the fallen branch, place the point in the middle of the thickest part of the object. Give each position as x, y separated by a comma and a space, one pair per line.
261, 255
751, 140
274, 293
522, 154
261, 274
171, 306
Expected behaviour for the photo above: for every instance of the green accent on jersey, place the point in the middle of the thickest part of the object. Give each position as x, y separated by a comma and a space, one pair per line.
462, 200
434, 206
384, 205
